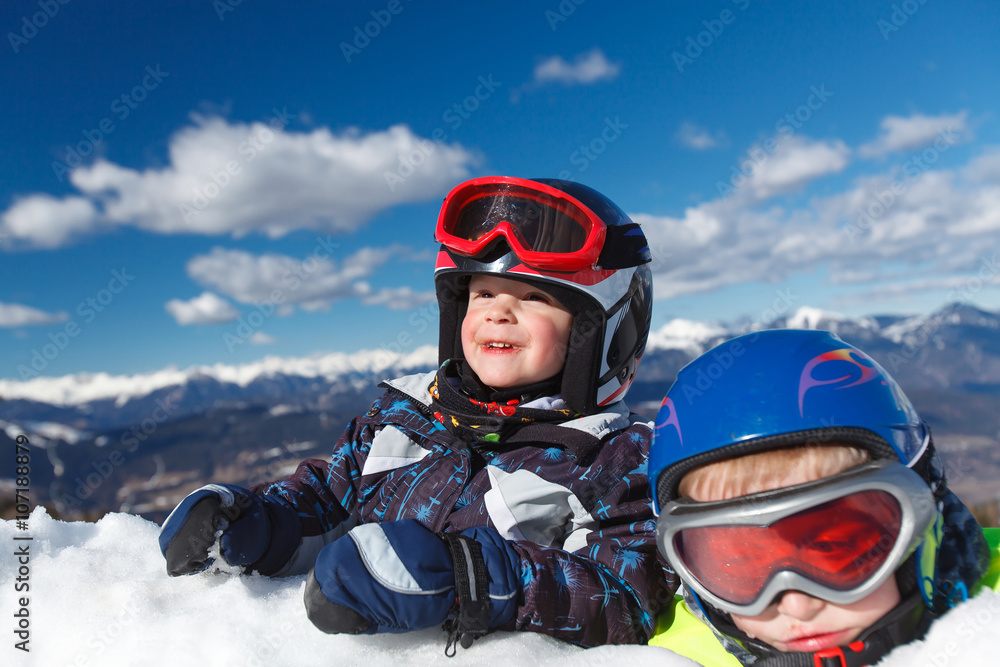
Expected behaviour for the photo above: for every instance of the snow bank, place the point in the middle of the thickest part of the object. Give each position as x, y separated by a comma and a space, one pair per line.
100, 596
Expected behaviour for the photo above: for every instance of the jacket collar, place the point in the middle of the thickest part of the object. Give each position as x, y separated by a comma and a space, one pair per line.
615, 417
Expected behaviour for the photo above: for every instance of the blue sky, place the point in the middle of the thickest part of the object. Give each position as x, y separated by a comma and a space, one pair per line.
195, 182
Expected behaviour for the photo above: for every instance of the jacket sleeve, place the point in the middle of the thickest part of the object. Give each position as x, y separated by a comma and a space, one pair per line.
610, 589
324, 495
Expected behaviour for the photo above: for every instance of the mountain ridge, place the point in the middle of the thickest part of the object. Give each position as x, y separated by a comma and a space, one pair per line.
139, 443
690, 336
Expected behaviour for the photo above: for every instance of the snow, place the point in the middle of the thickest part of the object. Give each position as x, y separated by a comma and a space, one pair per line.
54, 431
284, 409
809, 318
43, 432
693, 337
917, 327
86, 387
686, 335
99, 595
12, 430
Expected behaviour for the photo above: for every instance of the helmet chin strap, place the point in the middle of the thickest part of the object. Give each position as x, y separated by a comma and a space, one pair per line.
906, 622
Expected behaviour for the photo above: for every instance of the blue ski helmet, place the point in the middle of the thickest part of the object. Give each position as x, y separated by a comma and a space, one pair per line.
775, 389
782, 388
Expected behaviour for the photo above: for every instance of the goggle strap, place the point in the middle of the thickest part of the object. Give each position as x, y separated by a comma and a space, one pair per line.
625, 246
924, 466
840, 656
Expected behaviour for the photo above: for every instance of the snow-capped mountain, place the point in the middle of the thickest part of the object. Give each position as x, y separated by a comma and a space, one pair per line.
955, 347
814, 318
98, 401
685, 335
138, 443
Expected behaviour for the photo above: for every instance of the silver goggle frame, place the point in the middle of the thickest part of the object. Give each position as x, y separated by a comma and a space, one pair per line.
916, 502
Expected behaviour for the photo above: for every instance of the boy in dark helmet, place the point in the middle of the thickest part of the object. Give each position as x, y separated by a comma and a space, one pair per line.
804, 508
507, 489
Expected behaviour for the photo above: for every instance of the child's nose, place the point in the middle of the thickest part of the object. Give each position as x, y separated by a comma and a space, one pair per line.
799, 605
501, 311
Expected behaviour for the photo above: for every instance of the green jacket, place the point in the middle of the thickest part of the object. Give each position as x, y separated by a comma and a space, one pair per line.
680, 631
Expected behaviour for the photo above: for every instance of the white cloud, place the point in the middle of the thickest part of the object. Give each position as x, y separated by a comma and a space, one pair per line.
936, 231
904, 290
18, 315
399, 298
42, 221
261, 338
985, 168
242, 178
699, 138
916, 131
208, 308
795, 162
587, 68
312, 284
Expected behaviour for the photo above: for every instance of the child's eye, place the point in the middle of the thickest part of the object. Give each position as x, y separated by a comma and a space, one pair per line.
537, 297
483, 294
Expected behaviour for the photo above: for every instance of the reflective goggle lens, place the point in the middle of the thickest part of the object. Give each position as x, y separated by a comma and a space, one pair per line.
839, 544
545, 228
539, 227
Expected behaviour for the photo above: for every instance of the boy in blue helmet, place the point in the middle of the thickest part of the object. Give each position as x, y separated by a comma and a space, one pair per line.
804, 508
507, 489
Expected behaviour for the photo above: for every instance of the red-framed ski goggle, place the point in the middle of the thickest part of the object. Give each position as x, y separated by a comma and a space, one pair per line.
838, 538
545, 227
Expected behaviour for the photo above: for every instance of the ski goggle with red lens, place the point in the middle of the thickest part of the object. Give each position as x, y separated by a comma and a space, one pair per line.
838, 538
545, 227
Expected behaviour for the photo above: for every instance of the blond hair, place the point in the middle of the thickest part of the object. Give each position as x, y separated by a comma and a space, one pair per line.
773, 469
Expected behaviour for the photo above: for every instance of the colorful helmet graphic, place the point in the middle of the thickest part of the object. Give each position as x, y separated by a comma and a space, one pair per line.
571, 241
779, 388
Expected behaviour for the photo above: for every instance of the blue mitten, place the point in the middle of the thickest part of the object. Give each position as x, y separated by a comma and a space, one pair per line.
399, 576
259, 533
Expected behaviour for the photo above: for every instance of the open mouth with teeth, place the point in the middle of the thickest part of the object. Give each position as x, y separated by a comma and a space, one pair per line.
496, 345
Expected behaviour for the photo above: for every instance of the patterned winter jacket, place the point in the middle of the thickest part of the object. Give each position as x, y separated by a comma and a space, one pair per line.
580, 518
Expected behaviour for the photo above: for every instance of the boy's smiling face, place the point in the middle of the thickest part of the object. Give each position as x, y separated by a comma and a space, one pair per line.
514, 334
